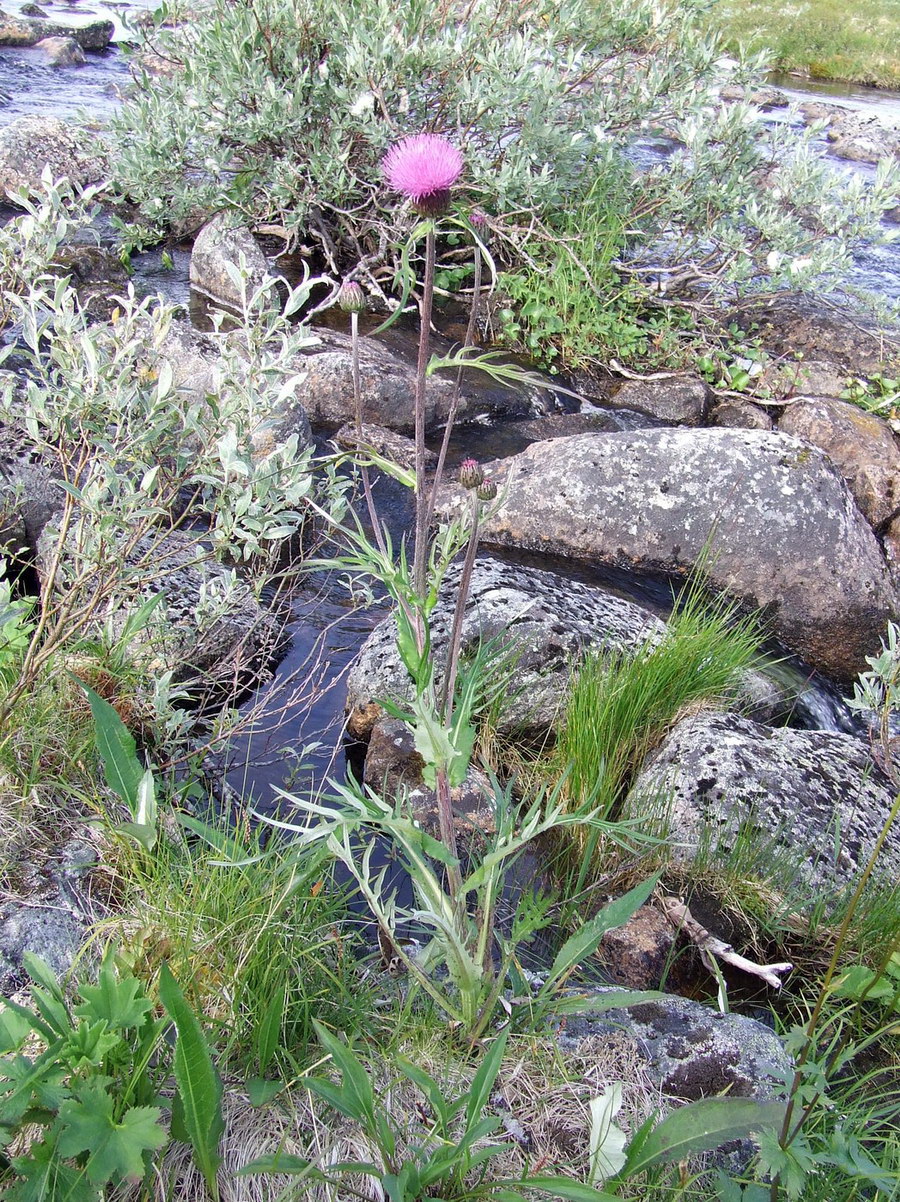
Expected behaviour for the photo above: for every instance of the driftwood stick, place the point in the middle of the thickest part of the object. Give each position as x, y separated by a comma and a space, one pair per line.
682, 919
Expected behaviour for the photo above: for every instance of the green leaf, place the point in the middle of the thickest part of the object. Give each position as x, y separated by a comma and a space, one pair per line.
278, 1162
115, 1150
199, 1086
703, 1126
584, 942
612, 999
483, 1082
45, 1178
560, 1187
356, 1087
116, 1001
121, 766
14, 1029
261, 1092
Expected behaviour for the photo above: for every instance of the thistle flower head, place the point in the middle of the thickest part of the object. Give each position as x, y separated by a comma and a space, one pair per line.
470, 473
424, 168
486, 491
351, 297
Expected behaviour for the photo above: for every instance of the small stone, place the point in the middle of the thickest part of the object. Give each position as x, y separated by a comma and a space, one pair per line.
221, 244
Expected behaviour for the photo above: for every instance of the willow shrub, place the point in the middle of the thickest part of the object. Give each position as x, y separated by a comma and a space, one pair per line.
283, 109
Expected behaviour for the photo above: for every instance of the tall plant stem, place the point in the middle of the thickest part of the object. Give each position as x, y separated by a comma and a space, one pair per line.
419, 554
454, 402
357, 409
448, 829
459, 613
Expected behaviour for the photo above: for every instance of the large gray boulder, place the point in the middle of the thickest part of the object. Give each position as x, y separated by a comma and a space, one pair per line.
769, 517
861, 445
387, 387
29, 144
542, 621
222, 244
818, 794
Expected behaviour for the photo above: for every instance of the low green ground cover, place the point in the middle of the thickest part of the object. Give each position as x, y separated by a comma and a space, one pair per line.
824, 38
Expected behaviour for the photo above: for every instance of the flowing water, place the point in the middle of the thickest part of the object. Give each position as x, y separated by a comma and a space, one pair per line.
303, 704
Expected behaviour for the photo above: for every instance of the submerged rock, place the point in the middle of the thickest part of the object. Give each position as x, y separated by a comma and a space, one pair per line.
29, 144
768, 517
219, 245
817, 793
691, 1050
861, 446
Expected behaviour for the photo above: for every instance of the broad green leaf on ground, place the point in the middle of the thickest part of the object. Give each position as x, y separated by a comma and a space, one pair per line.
45, 1178
115, 1000
703, 1126
115, 1150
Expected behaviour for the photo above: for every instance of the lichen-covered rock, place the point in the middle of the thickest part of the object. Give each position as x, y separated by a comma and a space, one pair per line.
28, 31
676, 402
818, 793
62, 51
48, 918
540, 617
693, 1051
29, 144
30, 487
220, 245
861, 446
769, 516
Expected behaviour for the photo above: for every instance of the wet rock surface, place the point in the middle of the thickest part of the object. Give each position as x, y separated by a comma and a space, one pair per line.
30, 30
818, 793
769, 515
694, 1051
62, 51
677, 402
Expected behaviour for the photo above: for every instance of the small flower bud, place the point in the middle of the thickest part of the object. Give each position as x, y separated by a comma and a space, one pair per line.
351, 297
486, 491
470, 473
479, 220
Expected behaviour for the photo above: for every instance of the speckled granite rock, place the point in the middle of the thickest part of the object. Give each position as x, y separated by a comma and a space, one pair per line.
220, 244
818, 793
771, 517
29, 144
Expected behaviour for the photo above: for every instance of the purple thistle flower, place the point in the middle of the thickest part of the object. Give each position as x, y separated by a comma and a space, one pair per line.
424, 168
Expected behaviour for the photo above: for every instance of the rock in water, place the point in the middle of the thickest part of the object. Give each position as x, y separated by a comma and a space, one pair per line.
769, 517
220, 245
62, 52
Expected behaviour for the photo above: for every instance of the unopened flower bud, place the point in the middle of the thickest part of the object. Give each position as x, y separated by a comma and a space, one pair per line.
479, 220
351, 297
470, 473
486, 491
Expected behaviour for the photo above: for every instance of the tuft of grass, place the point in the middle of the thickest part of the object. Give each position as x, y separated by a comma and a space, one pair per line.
273, 930
621, 704
829, 39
